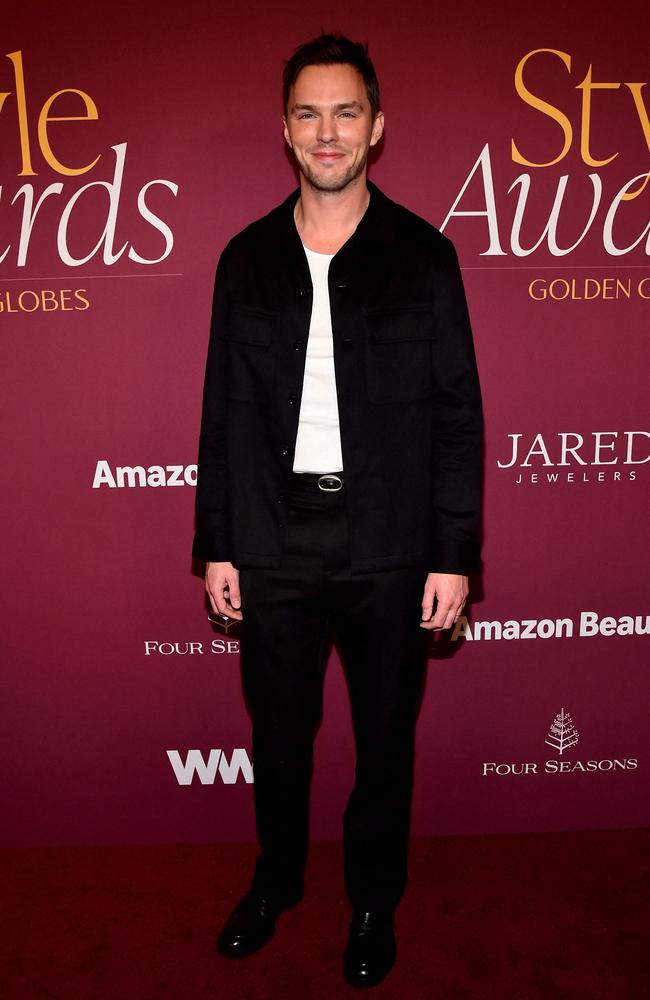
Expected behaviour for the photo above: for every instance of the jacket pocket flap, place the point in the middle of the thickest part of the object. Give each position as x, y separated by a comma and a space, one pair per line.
408, 322
249, 325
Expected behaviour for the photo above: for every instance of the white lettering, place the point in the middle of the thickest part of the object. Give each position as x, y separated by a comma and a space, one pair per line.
175, 477
156, 222
490, 210
529, 625
550, 229
103, 475
608, 238
206, 771
108, 234
129, 474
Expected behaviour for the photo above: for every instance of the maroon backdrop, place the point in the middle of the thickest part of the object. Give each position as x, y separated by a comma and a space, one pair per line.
524, 133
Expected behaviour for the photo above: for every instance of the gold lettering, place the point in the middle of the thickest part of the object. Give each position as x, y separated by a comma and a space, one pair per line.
21, 302
543, 106
44, 118
17, 59
48, 295
563, 284
78, 294
586, 87
635, 90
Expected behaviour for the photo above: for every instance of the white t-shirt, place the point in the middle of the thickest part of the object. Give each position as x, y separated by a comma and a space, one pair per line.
318, 445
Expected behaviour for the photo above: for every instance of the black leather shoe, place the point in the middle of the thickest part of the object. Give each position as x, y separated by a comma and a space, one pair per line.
370, 951
251, 924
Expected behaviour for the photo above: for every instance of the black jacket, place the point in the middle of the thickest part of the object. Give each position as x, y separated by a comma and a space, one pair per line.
408, 393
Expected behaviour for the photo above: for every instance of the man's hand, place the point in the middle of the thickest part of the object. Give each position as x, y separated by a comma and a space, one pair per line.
222, 585
451, 591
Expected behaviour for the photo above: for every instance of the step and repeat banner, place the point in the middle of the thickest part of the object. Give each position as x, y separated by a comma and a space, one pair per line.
134, 143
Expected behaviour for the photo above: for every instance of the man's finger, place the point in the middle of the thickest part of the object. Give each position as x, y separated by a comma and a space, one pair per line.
428, 600
444, 616
441, 615
427, 611
219, 598
450, 619
234, 596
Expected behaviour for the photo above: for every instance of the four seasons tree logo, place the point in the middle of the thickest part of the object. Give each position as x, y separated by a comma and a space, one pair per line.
563, 734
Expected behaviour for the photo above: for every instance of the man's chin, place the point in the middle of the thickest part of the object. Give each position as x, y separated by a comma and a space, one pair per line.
331, 184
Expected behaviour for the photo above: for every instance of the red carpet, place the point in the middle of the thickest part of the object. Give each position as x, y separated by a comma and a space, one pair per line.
560, 916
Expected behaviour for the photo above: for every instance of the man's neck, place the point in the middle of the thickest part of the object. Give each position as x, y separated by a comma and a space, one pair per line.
325, 220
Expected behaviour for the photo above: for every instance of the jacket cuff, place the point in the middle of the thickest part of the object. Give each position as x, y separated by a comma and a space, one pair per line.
451, 555
211, 546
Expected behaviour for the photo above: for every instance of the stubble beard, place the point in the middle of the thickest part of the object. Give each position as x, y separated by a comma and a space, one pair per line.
334, 184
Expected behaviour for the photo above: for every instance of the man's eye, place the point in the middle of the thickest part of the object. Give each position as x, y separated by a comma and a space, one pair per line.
348, 114
305, 114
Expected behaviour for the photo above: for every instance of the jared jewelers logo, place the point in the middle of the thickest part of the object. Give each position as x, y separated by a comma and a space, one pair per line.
570, 457
562, 736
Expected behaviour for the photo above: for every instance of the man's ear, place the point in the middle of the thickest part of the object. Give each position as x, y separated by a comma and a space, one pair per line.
377, 128
286, 132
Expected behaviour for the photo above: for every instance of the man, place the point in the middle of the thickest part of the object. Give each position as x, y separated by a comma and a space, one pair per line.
338, 488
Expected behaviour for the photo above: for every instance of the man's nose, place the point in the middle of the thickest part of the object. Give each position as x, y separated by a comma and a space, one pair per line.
327, 129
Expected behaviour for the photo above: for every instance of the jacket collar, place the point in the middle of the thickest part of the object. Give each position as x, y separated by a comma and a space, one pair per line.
376, 224
374, 234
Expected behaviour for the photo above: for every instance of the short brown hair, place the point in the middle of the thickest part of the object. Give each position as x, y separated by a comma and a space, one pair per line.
328, 50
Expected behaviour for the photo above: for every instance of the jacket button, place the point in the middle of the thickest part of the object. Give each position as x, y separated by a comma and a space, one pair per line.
292, 400
281, 498
285, 450
298, 345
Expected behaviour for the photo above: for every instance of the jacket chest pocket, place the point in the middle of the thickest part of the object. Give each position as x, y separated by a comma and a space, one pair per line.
399, 362
250, 368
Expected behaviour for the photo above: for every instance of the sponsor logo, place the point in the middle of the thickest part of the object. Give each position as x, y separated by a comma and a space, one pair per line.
154, 648
129, 476
588, 624
562, 736
194, 764
570, 457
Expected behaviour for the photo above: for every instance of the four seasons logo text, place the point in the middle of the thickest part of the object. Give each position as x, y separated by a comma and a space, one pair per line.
562, 737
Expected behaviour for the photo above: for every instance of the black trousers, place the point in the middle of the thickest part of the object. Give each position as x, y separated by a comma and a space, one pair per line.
289, 615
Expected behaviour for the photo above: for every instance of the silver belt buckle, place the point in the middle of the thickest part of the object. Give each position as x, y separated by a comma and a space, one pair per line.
330, 483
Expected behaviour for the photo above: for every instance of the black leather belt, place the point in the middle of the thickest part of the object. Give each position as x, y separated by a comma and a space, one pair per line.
328, 482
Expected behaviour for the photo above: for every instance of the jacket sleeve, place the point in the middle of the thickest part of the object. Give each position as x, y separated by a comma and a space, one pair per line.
212, 536
458, 426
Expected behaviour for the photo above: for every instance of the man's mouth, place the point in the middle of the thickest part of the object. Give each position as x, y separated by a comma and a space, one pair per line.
327, 154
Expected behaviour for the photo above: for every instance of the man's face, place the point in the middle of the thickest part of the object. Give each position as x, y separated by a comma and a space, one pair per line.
329, 125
